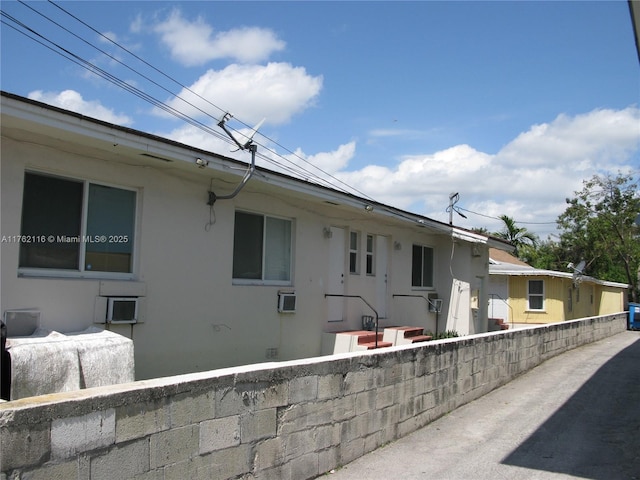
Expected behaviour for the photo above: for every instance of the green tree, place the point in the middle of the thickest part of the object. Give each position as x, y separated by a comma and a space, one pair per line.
599, 227
519, 237
546, 256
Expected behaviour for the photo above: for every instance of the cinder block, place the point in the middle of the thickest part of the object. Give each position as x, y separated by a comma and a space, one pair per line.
172, 446
273, 395
384, 397
257, 425
319, 413
219, 433
73, 435
195, 468
128, 460
158, 474
60, 471
349, 451
329, 386
328, 459
344, 408
230, 463
356, 427
306, 466
24, 446
299, 443
355, 382
303, 416
139, 420
281, 472
327, 436
373, 441
303, 389
255, 396
269, 453
365, 401
187, 409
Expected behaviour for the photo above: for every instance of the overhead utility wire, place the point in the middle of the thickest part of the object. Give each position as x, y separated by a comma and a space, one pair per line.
103, 74
498, 218
119, 82
310, 174
183, 116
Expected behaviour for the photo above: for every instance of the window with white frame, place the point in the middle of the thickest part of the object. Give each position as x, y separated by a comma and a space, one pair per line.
71, 225
354, 252
370, 257
262, 248
422, 266
535, 295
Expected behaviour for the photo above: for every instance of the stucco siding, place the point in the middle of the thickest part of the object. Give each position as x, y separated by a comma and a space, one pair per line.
196, 316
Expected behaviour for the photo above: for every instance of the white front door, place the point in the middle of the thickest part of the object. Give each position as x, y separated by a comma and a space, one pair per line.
335, 283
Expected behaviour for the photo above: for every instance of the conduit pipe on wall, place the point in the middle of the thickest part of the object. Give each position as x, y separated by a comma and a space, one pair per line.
248, 145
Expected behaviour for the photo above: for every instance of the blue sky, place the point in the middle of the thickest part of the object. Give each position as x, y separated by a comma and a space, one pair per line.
510, 104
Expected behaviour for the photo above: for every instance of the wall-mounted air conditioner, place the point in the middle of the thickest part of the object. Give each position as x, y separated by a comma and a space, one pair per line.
286, 302
122, 310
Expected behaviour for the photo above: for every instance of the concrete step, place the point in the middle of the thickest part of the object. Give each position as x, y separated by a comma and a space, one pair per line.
372, 345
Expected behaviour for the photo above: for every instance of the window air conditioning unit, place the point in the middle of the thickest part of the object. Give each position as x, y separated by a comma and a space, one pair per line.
122, 310
286, 302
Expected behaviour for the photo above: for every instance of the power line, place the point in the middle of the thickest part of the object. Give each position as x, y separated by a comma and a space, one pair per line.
498, 218
295, 169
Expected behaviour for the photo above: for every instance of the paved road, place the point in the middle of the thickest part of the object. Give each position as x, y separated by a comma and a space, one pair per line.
574, 416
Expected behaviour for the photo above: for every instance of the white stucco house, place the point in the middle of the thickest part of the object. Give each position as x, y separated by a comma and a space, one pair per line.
111, 227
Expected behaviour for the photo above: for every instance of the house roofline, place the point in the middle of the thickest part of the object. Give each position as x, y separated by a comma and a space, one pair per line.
156, 147
536, 272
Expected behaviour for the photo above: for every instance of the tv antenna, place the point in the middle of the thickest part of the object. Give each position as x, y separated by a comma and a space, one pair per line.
246, 145
453, 199
578, 272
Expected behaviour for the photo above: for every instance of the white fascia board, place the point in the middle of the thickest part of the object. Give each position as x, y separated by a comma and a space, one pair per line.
534, 272
472, 237
51, 118
467, 236
55, 119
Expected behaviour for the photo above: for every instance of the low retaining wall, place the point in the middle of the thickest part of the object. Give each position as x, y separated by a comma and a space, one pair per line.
288, 420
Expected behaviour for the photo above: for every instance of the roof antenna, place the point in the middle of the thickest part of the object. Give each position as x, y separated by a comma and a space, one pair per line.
247, 145
453, 199
578, 272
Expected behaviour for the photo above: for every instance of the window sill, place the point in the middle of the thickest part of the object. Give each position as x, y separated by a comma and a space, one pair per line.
74, 275
261, 283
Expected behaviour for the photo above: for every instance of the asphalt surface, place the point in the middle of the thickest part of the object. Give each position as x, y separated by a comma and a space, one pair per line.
574, 416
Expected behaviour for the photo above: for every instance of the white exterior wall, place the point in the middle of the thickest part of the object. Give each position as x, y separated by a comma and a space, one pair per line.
195, 317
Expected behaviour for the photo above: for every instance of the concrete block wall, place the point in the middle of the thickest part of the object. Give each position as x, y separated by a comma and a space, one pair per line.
288, 420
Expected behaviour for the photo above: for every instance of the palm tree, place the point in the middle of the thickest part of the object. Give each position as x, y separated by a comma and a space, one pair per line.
516, 236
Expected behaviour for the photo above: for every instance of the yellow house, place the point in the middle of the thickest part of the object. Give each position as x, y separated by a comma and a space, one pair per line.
522, 295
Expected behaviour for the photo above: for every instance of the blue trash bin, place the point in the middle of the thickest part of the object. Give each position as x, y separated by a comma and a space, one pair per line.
634, 316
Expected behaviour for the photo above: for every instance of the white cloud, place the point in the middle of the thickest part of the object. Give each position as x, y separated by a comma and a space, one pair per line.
298, 164
276, 91
323, 164
193, 42
72, 100
528, 179
597, 139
